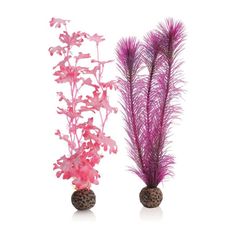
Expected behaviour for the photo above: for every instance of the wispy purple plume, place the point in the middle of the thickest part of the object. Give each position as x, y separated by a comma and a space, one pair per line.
150, 101
130, 64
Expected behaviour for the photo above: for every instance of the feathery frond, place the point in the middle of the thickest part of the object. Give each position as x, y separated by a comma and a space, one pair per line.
150, 101
130, 63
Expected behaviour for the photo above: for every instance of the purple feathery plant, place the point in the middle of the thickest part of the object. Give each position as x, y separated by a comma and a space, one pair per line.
150, 98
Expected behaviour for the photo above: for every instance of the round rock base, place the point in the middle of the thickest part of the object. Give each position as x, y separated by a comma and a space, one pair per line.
83, 199
150, 197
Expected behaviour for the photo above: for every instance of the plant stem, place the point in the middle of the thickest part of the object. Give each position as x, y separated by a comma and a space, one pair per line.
99, 78
148, 98
163, 110
133, 122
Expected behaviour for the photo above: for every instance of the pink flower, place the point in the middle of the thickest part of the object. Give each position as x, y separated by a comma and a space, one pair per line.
57, 22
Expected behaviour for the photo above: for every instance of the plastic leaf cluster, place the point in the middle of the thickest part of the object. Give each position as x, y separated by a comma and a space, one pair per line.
82, 74
151, 85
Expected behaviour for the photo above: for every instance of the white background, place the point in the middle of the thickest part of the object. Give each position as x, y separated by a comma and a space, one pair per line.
199, 200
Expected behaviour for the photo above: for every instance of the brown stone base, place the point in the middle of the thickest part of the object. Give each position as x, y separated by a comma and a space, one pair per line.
150, 197
83, 199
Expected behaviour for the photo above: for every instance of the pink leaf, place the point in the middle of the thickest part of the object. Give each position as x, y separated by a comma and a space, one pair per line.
58, 49
88, 82
96, 38
111, 85
82, 56
63, 98
66, 74
71, 144
101, 62
105, 103
107, 143
94, 102
88, 125
76, 39
63, 62
57, 22
69, 112
92, 71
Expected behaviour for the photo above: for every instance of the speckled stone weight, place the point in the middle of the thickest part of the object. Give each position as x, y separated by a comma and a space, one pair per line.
83, 199
150, 197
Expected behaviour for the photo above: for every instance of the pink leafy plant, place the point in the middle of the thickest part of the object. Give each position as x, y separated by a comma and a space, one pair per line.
84, 101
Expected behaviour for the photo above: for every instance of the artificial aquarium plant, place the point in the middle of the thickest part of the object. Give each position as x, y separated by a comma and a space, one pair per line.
151, 86
86, 108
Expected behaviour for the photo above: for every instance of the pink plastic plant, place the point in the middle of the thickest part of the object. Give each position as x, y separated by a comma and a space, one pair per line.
151, 100
83, 74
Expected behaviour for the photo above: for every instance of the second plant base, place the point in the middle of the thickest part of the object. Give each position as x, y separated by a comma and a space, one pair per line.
83, 199
150, 197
